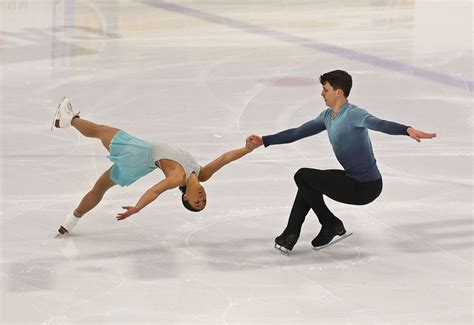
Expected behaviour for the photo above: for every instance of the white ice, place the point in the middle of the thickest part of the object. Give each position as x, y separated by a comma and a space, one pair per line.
202, 75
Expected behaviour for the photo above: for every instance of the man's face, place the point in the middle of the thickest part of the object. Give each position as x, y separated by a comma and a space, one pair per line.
330, 95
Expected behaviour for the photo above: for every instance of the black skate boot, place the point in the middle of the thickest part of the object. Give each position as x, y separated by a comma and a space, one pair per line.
285, 242
327, 234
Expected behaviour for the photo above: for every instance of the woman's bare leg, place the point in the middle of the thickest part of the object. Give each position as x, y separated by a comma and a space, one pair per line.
95, 195
88, 202
92, 130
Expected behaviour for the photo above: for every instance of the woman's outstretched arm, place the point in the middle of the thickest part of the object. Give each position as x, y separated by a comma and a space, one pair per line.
149, 196
226, 158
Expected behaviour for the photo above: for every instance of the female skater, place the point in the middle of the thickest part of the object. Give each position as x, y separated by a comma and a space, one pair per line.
359, 183
134, 158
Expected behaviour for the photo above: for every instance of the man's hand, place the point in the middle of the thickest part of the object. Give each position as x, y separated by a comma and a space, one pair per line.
126, 214
253, 142
418, 135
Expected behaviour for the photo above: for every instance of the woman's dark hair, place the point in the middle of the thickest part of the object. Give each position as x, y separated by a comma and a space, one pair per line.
186, 203
338, 79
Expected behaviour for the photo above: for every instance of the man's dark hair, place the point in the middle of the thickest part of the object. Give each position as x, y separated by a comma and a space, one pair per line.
338, 79
186, 203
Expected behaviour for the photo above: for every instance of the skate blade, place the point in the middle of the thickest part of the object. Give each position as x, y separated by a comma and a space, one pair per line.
333, 242
282, 250
62, 232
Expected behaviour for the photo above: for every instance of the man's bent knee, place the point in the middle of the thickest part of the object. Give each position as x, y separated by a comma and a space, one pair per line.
301, 176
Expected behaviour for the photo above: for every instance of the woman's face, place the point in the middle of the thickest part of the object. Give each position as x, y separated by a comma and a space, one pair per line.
196, 196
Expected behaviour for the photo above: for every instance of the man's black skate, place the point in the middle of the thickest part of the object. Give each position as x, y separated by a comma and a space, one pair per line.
327, 234
285, 243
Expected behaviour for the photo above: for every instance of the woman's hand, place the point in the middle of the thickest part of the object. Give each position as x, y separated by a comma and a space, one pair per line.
126, 214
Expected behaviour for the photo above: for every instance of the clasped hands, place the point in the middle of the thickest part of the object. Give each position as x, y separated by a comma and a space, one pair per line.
253, 142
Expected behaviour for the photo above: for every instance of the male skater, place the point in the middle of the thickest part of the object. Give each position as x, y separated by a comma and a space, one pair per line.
359, 183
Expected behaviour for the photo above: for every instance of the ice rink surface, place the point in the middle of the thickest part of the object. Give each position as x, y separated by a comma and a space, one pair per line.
203, 75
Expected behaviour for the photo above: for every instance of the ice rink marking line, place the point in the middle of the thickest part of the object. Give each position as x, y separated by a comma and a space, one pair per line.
380, 62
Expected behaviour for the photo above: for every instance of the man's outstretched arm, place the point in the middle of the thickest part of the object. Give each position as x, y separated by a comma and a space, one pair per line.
288, 136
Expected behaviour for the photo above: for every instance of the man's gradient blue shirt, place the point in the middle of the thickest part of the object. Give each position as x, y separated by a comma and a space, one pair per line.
349, 137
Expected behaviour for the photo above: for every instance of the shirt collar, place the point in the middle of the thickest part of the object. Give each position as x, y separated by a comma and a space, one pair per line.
344, 107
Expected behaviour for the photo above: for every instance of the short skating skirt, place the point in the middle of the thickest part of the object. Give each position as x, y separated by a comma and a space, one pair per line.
132, 158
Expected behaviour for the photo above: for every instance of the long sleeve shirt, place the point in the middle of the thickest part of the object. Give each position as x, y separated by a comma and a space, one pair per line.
349, 137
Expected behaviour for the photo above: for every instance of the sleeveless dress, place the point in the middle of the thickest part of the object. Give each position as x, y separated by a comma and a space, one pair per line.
134, 158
